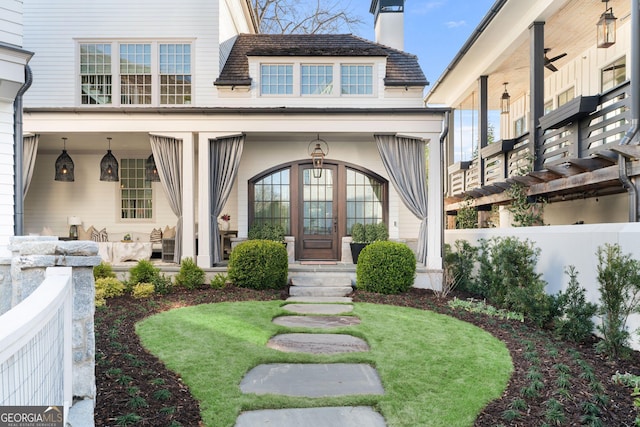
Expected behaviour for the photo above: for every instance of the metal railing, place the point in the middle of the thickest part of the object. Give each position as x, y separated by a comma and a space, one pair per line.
582, 138
36, 346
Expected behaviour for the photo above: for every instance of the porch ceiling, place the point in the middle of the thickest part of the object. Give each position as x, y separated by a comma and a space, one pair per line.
571, 29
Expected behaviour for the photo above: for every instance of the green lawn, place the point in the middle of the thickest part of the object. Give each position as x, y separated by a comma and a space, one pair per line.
436, 370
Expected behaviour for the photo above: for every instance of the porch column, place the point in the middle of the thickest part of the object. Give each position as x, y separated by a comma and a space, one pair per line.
188, 197
483, 122
435, 207
204, 203
536, 80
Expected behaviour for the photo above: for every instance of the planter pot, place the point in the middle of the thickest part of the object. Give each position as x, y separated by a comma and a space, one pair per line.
356, 248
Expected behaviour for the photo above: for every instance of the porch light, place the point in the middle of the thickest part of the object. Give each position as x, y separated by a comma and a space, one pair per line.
606, 27
109, 166
505, 100
318, 154
64, 166
150, 170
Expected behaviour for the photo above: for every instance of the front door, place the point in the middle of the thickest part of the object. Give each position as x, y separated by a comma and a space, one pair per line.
318, 214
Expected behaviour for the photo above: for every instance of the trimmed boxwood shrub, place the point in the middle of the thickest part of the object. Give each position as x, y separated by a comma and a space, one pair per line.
190, 275
259, 264
386, 268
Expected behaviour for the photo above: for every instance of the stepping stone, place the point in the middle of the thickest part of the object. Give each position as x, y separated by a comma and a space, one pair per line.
322, 322
320, 299
318, 308
317, 343
312, 380
343, 416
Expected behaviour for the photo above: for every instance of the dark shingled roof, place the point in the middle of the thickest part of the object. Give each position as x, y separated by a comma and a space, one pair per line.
402, 68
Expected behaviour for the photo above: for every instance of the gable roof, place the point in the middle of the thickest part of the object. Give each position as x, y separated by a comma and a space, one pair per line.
402, 68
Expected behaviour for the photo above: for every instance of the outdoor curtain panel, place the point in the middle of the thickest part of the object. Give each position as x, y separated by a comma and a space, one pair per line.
29, 150
167, 152
403, 158
225, 154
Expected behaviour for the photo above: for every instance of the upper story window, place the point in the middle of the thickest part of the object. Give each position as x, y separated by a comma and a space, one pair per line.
613, 74
148, 73
356, 79
566, 96
316, 79
276, 79
95, 73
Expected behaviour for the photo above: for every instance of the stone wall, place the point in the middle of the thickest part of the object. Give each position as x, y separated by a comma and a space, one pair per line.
25, 271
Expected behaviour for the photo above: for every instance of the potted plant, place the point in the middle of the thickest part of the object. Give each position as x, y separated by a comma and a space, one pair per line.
266, 231
363, 234
224, 222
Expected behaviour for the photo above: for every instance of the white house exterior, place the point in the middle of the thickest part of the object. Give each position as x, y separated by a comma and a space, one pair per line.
167, 74
13, 60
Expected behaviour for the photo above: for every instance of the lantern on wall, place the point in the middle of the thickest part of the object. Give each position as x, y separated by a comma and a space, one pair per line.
150, 170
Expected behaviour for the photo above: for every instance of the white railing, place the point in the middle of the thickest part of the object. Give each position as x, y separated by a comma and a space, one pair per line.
36, 343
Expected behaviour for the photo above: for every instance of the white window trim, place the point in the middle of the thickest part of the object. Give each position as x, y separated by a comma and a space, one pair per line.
118, 197
115, 71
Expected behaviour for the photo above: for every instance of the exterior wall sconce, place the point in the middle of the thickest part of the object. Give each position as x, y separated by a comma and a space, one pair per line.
505, 100
150, 170
109, 166
318, 153
606, 27
64, 166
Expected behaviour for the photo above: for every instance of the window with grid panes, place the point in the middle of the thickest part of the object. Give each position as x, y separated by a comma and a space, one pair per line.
365, 202
175, 73
271, 200
566, 96
135, 73
356, 79
136, 196
95, 73
276, 79
316, 79
614, 74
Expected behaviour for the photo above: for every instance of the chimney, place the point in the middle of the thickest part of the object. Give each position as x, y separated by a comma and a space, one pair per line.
389, 22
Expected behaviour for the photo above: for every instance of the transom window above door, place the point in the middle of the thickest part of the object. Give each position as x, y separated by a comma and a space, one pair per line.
145, 73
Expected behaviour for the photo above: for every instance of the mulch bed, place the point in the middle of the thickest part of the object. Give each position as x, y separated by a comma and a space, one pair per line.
128, 377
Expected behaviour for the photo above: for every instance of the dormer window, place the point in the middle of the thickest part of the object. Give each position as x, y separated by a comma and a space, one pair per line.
276, 79
356, 79
316, 80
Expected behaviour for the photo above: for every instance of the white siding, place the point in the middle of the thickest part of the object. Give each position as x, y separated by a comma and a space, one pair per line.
52, 28
11, 22
6, 175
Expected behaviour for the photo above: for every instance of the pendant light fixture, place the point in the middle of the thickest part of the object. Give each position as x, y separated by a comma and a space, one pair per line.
64, 165
606, 27
150, 170
109, 166
318, 153
505, 100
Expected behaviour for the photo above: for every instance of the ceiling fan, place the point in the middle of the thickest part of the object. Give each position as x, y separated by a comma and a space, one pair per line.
548, 61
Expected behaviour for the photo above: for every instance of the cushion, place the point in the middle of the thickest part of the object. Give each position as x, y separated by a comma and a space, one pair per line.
169, 233
156, 236
100, 236
85, 234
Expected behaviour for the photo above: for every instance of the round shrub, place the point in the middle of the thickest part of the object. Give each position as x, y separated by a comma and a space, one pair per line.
143, 272
386, 268
190, 276
259, 264
107, 287
103, 270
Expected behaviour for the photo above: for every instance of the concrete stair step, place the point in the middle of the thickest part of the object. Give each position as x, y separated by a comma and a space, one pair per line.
320, 291
317, 281
320, 300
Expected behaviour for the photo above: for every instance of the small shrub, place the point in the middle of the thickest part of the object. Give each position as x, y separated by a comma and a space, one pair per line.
460, 264
467, 216
619, 278
107, 287
190, 275
103, 270
370, 232
143, 272
357, 233
259, 264
162, 284
386, 267
574, 313
143, 290
219, 281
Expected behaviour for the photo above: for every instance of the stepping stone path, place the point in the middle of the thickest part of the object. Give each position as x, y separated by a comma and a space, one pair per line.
321, 301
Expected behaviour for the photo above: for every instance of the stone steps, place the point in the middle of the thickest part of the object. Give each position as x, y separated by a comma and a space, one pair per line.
333, 286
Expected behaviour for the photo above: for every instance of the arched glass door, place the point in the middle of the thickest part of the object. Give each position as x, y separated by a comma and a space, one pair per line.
318, 213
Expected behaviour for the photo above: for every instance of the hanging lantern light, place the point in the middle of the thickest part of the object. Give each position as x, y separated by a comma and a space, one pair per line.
109, 166
606, 27
64, 165
318, 154
150, 170
505, 100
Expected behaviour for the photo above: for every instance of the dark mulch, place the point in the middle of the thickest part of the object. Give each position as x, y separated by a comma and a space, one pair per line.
126, 372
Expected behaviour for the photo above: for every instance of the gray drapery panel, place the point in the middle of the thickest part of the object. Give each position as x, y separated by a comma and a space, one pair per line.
403, 158
224, 162
167, 152
29, 150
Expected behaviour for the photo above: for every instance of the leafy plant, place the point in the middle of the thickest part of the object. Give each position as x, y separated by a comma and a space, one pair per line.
142, 290
619, 279
103, 270
219, 281
162, 394
107, 287
128, 419
526, 212
467, 216
367, 233
259, 264
162, 284
143, 272
460, 263
190, 275
573, 319
357, 233
266, 231
386, 267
